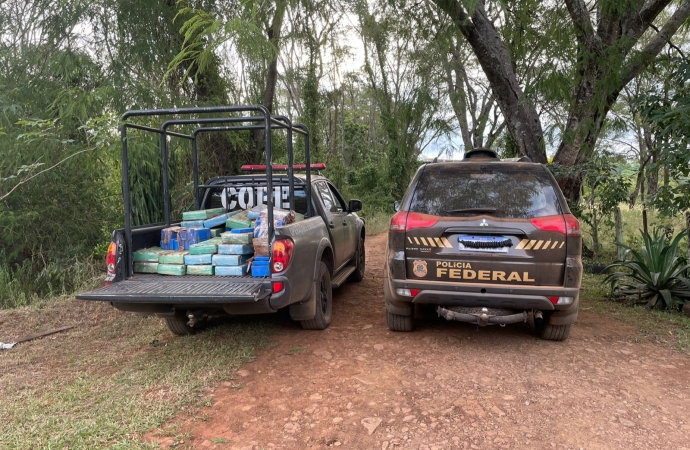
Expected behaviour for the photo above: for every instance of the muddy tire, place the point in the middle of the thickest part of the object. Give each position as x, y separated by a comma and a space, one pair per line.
397, 322
555, 332
178, 325
323, 296
360, 258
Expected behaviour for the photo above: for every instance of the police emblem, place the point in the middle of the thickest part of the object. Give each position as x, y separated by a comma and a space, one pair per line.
419, 268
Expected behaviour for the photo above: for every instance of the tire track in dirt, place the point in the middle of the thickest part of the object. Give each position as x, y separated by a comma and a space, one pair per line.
446, 385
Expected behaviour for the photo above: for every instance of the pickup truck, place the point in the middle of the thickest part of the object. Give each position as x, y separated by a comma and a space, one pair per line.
308, 258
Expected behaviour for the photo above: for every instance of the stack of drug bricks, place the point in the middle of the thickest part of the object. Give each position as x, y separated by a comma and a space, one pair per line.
214, 242
196, 247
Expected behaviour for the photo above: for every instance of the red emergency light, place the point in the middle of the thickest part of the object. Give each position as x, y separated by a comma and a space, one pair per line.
262, 167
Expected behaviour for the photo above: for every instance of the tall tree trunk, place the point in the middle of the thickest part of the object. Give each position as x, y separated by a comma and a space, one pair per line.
606, 63
519, 112
687, 228
274, 36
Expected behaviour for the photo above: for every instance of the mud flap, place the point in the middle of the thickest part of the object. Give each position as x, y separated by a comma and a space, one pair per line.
305, 310
400, 309
565, 317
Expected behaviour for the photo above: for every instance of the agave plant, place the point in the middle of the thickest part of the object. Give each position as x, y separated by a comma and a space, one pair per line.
656, 275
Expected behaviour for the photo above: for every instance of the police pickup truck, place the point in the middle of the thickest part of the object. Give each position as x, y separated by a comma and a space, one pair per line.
307, 258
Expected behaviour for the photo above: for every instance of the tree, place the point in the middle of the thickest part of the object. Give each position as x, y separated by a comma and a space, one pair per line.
609, 53
403, 80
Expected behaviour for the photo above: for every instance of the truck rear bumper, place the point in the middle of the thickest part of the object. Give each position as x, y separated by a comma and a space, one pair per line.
159, 294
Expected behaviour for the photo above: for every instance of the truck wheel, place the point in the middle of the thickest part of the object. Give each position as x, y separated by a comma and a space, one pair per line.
178, 325
322, 295
358, 274
555, 332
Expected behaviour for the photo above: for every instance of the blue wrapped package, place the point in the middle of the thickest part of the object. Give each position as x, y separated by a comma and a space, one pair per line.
172, 244
196, 260
168, 234
260, 266
216, 221
229, 260
235, 249
231, 271
192, 223
189, 236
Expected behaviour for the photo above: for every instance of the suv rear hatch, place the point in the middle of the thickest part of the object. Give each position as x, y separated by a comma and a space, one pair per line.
497, 223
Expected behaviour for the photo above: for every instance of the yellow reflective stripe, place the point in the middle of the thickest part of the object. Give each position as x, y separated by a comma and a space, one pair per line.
431, 242
538, 246
416, 241
554, 245
546, 245
530, 245
522, 244
562, 244
410, 239
446, 243
423, 241
438, 242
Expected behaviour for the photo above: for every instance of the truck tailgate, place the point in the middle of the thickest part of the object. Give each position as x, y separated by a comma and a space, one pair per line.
187, 289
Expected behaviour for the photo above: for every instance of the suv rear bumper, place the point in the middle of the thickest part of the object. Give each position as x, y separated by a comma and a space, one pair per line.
515, 297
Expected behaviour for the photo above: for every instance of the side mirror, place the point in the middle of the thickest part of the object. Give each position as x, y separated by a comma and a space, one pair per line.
354, 206
396, 206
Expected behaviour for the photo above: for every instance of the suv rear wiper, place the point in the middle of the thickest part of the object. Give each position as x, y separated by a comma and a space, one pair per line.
475, 210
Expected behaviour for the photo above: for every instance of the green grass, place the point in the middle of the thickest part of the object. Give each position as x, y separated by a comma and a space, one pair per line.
666, 328
377, 222
106, 385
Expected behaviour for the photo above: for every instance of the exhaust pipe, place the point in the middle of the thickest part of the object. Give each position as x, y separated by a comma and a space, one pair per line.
538, 319
483, 319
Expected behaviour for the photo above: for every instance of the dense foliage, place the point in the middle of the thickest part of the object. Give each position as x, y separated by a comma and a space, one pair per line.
380, 85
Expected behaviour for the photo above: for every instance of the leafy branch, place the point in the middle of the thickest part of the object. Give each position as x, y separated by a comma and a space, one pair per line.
99, 132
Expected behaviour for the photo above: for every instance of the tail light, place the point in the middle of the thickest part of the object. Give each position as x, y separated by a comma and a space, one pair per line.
561, 300
566, 224
404, 221
110, 258
281, 255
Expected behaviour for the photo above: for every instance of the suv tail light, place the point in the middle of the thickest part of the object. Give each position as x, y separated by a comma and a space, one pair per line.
565, 224
281, 255
404, 221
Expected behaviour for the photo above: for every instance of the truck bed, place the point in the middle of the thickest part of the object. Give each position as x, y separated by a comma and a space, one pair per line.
150, 288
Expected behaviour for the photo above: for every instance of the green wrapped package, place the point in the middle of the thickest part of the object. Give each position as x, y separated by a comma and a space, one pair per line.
239, 220
171, 269
146, 267
236, 238
202, 214
216, 232
200, 270
205, 248
148, 254
172, 257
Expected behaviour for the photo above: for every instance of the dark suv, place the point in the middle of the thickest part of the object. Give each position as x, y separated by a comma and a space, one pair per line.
488, 242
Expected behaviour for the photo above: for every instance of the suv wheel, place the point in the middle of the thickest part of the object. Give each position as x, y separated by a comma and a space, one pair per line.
555, 332
397, 322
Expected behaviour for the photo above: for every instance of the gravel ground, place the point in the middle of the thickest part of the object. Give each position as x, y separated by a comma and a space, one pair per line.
446, 385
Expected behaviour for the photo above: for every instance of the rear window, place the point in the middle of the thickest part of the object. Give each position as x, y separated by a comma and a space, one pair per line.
464, 190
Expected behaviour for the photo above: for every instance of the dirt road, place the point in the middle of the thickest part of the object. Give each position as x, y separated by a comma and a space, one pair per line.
446, 385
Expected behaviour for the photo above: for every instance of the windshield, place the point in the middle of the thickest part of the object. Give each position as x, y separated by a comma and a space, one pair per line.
475, 189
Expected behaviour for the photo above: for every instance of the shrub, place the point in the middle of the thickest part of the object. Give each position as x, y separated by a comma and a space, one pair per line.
656, 275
